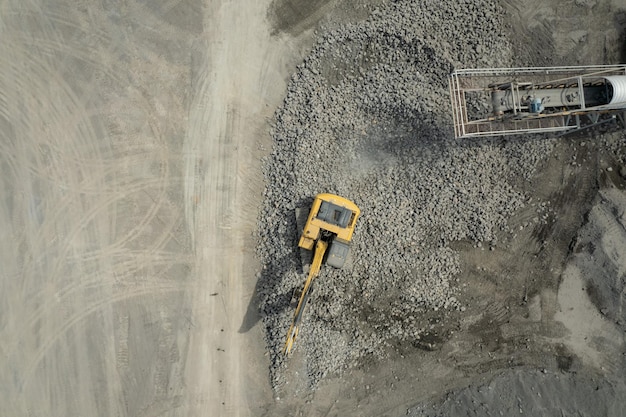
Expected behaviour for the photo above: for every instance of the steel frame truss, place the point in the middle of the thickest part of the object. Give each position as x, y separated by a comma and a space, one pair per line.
465, 82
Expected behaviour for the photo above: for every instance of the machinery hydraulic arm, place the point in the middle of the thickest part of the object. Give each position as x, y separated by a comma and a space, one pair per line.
320, 250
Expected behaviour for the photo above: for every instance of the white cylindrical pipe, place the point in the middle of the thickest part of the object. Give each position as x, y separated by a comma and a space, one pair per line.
618, 82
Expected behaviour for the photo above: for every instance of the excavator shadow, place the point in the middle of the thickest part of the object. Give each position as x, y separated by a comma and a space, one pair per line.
280, 302
267, 283
306, 256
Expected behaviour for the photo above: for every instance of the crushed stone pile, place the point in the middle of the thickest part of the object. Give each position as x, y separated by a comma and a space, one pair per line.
367, 116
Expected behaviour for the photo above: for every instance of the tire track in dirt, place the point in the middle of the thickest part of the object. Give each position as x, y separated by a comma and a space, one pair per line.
200, 227
83, 314
153, 19
111, 197
125, 264
62, 105
109, 166
102, 205
117, 245
57, 116
83, 249
122, 272
153, 258
48, 20
82, 224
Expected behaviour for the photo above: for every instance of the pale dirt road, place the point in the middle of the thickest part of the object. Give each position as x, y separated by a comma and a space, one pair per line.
238, 85
130, 135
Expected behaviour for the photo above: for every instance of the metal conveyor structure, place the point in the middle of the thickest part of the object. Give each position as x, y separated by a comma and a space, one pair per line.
506, 101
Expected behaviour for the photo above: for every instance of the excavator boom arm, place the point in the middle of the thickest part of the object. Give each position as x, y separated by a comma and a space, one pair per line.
320, 250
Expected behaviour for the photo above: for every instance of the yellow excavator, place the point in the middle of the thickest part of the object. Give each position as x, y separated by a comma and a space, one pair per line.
328, 230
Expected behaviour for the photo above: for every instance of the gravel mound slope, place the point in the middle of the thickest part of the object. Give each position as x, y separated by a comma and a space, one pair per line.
367, 116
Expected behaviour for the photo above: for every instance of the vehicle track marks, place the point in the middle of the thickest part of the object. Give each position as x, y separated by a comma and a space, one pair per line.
83, 314
63, 159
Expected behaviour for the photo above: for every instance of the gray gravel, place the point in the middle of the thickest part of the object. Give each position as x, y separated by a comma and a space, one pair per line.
367, 116
532, 393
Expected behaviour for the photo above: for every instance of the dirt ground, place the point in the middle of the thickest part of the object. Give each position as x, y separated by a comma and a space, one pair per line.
131, 138
130, 142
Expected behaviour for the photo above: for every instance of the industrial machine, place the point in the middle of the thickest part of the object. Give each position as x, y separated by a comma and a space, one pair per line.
328, 231
504, 101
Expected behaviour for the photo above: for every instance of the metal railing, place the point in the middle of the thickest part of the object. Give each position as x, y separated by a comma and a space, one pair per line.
519, 120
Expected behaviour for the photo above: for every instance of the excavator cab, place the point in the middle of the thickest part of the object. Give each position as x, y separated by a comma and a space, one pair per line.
332, 218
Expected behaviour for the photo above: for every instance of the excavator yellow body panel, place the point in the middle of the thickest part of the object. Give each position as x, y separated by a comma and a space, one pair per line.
333, 213
330, 226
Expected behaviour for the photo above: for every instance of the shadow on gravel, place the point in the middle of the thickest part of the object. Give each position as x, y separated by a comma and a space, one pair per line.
269, 297
254, 314
269, 284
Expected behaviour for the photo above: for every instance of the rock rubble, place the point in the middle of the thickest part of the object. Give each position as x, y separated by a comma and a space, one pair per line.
367, 116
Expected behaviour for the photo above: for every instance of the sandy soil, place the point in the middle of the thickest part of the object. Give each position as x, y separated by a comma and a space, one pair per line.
130, 142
